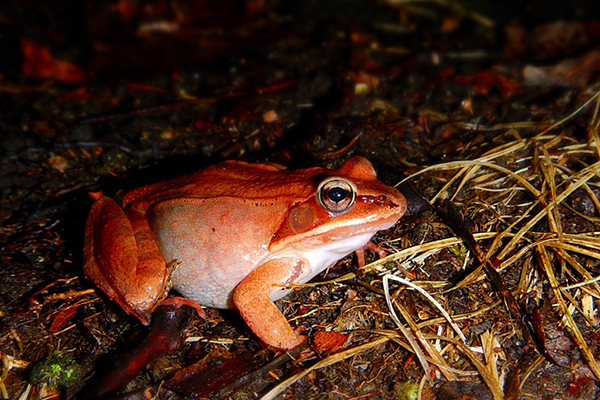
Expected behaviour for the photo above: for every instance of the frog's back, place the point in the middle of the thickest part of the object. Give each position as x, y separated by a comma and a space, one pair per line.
228, 179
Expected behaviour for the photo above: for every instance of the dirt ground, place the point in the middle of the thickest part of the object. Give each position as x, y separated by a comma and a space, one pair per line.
486, 117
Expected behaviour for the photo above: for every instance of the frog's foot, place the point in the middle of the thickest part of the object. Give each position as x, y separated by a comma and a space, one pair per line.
360, 253
182, 301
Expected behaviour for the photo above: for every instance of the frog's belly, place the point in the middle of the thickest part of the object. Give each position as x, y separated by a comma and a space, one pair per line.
206, 286
214, 245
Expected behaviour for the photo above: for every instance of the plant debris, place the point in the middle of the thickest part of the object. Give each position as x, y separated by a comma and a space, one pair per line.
485, 115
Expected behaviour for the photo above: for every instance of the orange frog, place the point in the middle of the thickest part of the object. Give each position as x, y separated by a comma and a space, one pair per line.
234, 235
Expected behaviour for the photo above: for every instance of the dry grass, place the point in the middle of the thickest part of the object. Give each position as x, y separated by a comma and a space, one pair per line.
526, 187
547, 170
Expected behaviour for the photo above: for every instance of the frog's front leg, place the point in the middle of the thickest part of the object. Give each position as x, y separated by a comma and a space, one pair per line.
123, 259
251, 298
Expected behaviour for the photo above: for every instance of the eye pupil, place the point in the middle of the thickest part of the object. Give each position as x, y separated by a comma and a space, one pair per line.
337, 194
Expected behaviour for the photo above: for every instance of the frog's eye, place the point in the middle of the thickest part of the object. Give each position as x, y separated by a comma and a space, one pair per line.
336, 195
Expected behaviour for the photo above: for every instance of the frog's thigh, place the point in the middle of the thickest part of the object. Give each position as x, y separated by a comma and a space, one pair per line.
122, 258
251, 297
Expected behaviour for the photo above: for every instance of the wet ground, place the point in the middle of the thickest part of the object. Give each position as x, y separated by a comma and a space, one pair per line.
501, 99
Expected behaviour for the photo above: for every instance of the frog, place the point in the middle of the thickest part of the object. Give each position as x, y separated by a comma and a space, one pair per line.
235, 235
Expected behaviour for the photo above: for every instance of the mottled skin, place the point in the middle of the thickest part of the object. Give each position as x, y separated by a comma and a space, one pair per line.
234, 235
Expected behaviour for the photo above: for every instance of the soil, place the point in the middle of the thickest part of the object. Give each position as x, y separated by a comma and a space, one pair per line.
487, 114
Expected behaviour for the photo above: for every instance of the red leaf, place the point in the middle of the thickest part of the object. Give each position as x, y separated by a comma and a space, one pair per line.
483, 82
77, 94
62, 318
38, 62
575, 386
328, 342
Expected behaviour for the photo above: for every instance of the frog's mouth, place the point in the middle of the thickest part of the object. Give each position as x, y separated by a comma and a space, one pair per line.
355, 230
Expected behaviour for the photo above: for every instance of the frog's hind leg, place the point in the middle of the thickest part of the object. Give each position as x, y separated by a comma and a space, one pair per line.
122, 258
